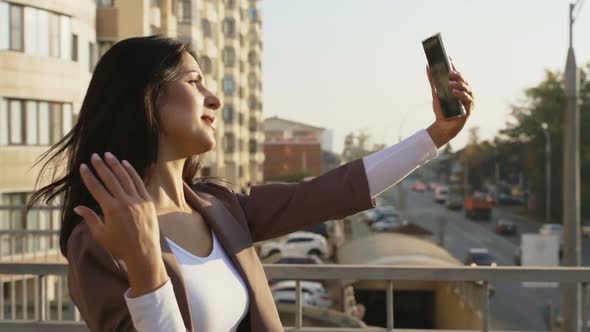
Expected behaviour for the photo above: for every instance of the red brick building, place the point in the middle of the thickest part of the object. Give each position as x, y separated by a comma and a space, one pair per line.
291, 149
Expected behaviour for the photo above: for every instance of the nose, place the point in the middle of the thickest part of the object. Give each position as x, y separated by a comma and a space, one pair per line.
212, 102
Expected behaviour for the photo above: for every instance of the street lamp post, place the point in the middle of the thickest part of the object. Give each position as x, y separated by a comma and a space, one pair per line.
545, 128
572, 295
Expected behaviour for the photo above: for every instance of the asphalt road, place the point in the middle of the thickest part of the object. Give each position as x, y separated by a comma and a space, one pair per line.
513, 306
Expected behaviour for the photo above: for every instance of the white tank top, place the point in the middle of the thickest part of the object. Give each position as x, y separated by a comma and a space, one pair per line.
216, 291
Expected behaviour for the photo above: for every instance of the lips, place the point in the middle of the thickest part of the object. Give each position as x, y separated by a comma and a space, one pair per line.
209, 119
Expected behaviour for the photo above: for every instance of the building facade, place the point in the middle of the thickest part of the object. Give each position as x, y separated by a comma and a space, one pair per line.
292, 150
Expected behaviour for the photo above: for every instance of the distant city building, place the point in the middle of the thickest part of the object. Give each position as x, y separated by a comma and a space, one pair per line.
291, 148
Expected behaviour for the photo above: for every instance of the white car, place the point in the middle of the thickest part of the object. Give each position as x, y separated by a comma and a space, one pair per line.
441, 194
388, 223
586, 230
552, 229
320, 296
298, 244
307, 299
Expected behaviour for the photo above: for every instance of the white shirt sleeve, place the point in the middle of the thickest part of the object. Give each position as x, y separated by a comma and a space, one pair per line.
156, 311
387, 167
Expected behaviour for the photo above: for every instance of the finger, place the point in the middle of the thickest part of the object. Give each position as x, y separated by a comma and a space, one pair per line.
139, 185
96, 189
91, 219
461, 86
121, 174
465, 98
107, 176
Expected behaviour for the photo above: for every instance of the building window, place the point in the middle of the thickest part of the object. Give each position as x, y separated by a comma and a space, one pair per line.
229, 27
253, 58
252, 81
229, 143
229, 56
241, 171
252, 14
206, 27
31, 122
46, 33
15, 27
228, 85
206, 65
230, 4
74, 47
103, 47
228, 113
54, 35
240, 119
104, 3
252, 103
184, 9
252, 146
15, 114
91, 57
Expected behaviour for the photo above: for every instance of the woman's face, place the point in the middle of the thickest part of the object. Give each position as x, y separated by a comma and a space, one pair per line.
187, 112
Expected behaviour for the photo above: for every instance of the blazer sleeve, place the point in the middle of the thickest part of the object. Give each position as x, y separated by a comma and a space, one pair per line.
273, 210
97, 283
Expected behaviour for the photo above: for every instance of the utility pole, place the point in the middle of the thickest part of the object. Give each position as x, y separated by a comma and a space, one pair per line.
572, 295
547, 172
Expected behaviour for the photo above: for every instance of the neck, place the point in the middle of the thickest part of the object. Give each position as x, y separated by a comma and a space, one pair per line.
166, 186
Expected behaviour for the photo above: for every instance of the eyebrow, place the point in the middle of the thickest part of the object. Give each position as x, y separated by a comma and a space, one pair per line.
194, 71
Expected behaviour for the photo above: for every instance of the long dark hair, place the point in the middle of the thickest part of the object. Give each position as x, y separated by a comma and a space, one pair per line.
118, 115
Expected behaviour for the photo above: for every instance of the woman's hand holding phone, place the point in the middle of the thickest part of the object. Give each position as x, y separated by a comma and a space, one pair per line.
444, 129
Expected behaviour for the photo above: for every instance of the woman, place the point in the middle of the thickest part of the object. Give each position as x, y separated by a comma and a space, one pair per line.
151, 247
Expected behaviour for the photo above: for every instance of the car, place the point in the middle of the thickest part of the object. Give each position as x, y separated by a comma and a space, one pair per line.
480, 257
433, 185
388, 223
320, 296
369, 216
518, 256
288, 296
298, 244
585, 230
441, 194
506, 226
505, 199
311, 259
419, 186
552, 229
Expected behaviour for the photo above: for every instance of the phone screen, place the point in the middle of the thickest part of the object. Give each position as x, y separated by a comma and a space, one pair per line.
439, 67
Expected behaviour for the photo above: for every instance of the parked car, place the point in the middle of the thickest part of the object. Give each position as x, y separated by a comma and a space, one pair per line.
419, 186
552, 229
388, 223
298, 244
586, 230
307, 298
441, 194
480, 257
506, 227
319, 295
505, 199
312, 259
433, 185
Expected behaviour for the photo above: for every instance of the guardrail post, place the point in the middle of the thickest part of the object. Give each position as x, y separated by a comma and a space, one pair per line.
390, 306
298, 305
585, 306
485, 307
42, 298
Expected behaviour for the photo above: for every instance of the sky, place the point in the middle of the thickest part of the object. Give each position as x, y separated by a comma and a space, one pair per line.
352, 65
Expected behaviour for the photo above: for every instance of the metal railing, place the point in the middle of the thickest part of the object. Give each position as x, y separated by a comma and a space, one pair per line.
485, 275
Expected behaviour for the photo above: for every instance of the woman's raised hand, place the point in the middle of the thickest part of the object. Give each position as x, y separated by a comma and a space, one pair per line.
130, 230
443, 129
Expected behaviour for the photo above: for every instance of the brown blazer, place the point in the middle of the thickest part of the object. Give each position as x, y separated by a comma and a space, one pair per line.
97, 280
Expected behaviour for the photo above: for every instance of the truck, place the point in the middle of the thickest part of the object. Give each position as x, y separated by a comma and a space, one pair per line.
478, 207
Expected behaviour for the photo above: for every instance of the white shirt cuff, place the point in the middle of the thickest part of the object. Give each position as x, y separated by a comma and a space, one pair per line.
387, 167
155, 311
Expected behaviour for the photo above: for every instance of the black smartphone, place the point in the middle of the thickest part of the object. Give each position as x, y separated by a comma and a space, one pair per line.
439, 67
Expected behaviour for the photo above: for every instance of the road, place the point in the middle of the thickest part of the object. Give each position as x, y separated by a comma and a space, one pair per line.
513, 306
